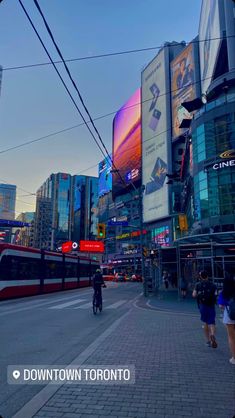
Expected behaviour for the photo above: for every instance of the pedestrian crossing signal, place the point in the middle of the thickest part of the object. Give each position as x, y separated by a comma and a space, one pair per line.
101, 231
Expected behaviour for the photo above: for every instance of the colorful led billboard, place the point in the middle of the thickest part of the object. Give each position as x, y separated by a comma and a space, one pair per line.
127, 145
183, 87
155, 125
105, 176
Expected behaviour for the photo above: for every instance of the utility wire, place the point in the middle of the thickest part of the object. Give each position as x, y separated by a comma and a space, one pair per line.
112, 54
98, 118
75, 85
59, 75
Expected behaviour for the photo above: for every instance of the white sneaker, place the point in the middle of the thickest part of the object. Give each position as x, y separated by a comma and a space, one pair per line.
232, 360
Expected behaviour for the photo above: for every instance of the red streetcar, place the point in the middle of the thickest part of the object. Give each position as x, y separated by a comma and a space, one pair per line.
29, 271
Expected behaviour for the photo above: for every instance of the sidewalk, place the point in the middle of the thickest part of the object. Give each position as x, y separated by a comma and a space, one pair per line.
177, 376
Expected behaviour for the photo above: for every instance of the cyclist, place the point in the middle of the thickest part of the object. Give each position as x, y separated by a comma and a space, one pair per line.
98, 281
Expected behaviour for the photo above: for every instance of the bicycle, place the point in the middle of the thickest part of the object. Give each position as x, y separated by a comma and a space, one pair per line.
97, 301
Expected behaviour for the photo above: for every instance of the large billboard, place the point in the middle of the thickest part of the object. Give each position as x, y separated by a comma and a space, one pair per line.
127, 145
154, 139
183, 87
105, 176
209, 40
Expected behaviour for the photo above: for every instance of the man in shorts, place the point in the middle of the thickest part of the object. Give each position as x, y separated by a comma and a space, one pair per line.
205, 291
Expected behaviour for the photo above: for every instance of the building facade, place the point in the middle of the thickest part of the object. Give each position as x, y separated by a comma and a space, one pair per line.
66, 208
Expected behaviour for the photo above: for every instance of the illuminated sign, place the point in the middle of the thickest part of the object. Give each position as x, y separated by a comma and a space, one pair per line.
69, 246
229, 163
224, 164
131, 234
127, 145
92, 246
105, 176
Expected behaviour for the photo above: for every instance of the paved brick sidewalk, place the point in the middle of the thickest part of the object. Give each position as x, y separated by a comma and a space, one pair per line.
176, 374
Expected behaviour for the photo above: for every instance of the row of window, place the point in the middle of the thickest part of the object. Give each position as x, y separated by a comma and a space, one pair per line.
23, 268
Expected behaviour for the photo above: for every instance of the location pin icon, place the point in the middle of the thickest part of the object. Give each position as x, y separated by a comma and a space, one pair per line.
16, 374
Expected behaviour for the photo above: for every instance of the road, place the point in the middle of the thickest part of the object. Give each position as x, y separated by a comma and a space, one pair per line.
53, 329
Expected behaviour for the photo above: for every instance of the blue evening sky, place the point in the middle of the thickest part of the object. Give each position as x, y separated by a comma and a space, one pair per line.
33, 102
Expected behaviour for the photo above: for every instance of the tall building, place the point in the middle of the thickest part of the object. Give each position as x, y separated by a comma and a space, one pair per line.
84, 208
7, 201
66, 208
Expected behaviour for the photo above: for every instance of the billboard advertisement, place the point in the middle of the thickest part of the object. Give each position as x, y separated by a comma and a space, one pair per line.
183, 87
209, 40
127, 145
105, 176
154, 139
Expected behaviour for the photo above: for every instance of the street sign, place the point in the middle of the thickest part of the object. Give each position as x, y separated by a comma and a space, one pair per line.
117, 223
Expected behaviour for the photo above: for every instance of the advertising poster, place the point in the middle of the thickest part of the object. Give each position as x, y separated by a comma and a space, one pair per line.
183, 87
105, 176
154, 140
127, 145
209, 40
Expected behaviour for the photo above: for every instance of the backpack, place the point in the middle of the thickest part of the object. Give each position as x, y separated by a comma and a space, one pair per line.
206, 293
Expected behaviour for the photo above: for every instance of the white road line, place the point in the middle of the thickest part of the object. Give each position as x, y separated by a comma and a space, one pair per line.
42, 397
65, 305
34, 304
116, 304
85, 306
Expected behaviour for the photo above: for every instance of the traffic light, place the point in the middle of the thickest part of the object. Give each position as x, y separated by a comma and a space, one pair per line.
101, 231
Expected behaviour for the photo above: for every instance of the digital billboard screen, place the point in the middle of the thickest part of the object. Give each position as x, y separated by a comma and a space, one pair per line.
155, 126
209, 40
183, 87
127, 145
105, 176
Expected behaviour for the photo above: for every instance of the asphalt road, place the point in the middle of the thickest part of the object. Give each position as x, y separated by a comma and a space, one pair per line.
53, 329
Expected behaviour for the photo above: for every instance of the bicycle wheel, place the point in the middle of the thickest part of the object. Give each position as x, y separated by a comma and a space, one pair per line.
100, 306
95, 308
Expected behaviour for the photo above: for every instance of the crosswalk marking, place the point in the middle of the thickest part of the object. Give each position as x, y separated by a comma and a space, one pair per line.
65, 305
85, 306
116, 304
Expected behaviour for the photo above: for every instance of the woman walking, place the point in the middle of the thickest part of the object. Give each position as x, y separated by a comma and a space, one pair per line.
226, 300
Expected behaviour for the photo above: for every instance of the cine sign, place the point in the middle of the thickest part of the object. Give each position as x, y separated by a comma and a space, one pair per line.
92, 246
223, 164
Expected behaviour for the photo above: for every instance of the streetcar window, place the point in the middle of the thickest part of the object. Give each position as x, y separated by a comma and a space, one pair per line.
19, 268
53, 269
84, 270
70, 269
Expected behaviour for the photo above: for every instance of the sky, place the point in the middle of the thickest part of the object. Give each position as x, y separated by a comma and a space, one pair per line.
33, 102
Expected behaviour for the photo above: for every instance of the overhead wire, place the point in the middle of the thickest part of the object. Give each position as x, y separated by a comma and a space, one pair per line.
112, 54
75, 85
96, 119
59, 75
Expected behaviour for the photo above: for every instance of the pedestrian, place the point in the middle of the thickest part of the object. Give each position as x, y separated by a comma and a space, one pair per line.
226, 301
205, 291
183, 287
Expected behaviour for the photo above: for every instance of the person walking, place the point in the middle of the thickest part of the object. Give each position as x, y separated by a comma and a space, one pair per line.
226, 300
205, 291
183, 287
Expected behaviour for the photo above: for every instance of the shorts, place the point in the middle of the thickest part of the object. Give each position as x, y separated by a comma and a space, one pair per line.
207, 314
226, 319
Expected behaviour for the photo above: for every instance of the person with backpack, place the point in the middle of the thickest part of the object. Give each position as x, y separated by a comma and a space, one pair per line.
226, 301
205, 291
